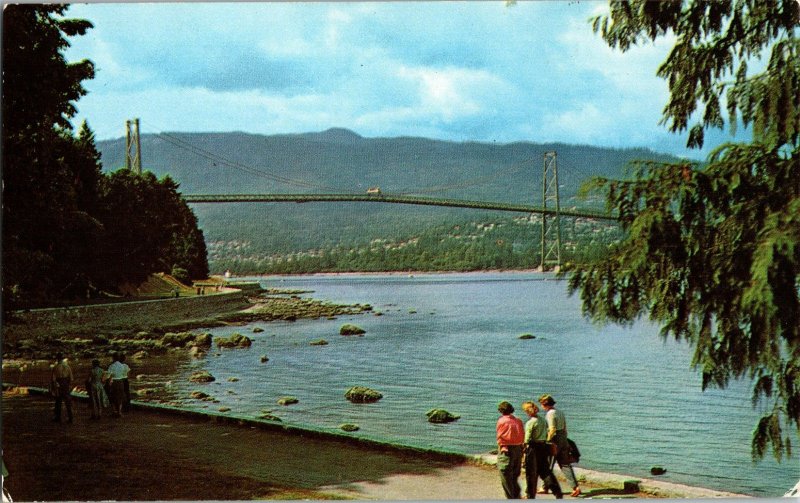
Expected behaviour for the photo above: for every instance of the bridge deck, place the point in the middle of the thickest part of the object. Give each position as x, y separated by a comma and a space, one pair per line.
387, 198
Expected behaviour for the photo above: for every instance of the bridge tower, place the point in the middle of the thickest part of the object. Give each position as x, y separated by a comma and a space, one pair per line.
133, 147
551, 217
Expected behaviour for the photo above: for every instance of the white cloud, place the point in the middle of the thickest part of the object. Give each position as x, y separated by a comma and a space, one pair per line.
454, 70
451, 93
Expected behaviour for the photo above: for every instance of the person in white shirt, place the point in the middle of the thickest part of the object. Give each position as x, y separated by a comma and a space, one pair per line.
557, 434
119, 374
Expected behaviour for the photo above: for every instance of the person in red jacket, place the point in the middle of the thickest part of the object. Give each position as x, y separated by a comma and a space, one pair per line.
510, 438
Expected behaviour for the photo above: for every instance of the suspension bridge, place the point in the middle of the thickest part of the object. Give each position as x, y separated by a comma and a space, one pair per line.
550, 209
388, 198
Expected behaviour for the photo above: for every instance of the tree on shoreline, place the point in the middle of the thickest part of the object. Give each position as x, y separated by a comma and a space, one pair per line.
158, 233
44, 171
713, 252
55, 239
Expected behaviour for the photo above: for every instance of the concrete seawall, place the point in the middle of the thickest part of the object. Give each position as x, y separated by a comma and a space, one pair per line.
134, 315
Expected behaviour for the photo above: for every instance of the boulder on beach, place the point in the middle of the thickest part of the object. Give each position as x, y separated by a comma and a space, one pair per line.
362, 394
177, 339
527, 336
349, 427
287, 400
349, 329
199, 395
236, 340
196, 352
441, 416
202, 340
202, 376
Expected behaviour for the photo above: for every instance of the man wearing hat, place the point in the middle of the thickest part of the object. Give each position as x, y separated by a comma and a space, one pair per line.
557, 434
510, 437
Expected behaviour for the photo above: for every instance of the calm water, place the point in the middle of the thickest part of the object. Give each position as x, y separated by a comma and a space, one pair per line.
451, 341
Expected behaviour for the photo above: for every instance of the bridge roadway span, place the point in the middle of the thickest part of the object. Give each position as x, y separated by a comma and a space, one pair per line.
386, 198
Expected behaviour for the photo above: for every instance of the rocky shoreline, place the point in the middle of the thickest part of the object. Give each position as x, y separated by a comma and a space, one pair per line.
30, 341
27, 357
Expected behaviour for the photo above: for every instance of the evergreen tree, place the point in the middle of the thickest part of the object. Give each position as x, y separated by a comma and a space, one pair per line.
68, 229
148, 228
45, 195
713, 251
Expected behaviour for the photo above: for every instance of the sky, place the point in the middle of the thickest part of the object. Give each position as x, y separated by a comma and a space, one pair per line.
460, 71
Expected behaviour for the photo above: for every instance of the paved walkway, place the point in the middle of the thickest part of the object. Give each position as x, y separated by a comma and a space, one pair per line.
147, 455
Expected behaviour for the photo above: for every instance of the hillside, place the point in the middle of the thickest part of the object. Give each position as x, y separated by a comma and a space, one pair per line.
341, 161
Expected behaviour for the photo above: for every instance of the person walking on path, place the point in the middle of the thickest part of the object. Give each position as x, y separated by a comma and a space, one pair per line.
126, 404
510, 437
557, 434
119, 372
62, 383
96, 389
537, 452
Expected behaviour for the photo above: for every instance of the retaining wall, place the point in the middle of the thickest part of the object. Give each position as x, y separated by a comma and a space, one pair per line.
135, 315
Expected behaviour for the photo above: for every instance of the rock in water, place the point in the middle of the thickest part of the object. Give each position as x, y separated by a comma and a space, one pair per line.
288, 400
202, 376
348, 329
527, 336
362, 394
349, 427
658, 470
440, 416
236, 340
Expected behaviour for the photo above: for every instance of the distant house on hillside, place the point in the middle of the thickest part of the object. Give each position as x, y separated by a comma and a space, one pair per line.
374, 190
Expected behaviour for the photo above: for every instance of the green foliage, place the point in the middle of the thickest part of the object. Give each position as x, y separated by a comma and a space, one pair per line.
716, 41
48, 174
148, 228
713, 251
181, 275
59, 239
494, 243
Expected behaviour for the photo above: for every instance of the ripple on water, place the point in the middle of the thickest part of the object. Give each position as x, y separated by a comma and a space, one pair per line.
631, 399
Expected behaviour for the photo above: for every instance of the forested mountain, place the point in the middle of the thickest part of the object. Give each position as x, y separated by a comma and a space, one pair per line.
341, 161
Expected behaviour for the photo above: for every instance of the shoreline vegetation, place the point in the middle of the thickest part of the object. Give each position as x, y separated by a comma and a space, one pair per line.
26, 359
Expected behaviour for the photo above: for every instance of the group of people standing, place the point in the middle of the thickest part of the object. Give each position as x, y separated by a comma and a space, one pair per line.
105, 387
539, 443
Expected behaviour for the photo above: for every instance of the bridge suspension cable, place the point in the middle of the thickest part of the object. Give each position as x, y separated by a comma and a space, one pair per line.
219, 160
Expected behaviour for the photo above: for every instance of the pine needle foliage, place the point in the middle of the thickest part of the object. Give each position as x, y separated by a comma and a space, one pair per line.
712, 251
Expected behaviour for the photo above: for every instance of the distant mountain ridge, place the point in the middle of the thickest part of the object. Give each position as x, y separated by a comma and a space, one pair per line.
340, 160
